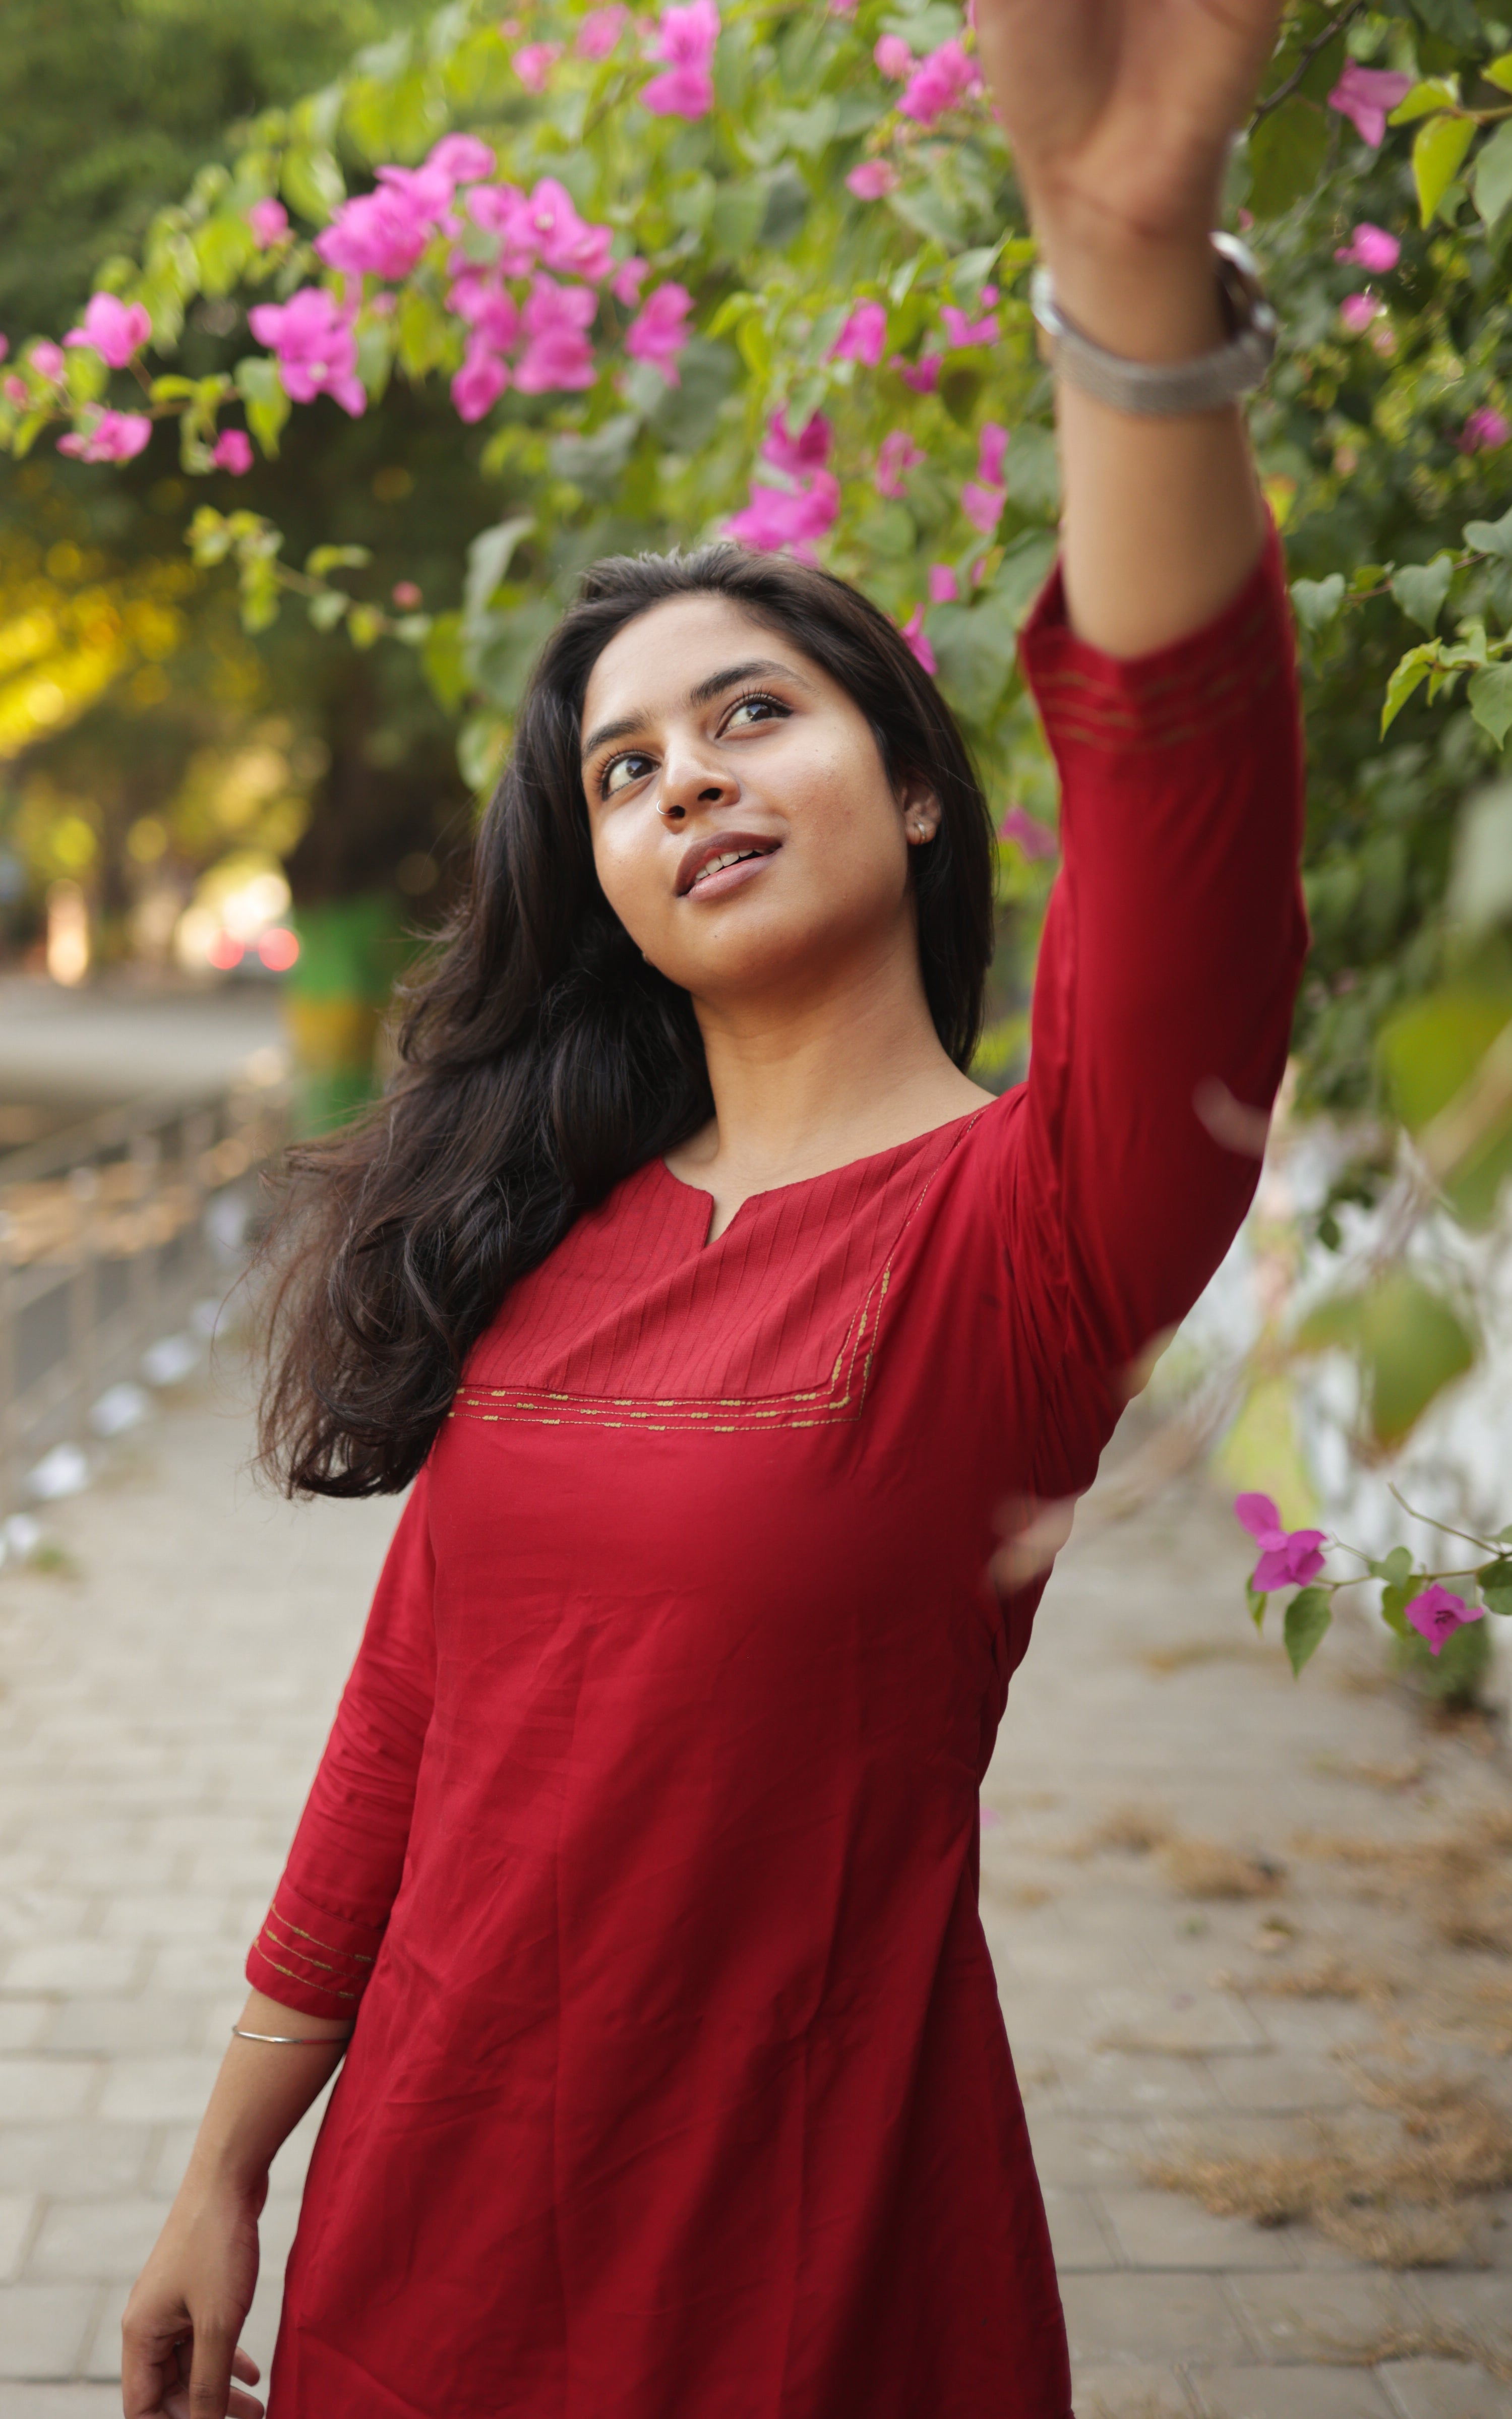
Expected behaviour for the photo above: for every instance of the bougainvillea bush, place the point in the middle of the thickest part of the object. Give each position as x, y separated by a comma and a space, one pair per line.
762, 269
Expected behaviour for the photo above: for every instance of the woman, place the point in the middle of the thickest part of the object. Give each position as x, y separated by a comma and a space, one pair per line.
637, 1883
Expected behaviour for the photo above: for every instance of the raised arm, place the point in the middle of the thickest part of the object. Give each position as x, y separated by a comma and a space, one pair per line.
1119, 113
308, 1968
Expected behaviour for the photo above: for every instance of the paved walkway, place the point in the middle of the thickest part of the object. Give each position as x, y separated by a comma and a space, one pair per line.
167, 1693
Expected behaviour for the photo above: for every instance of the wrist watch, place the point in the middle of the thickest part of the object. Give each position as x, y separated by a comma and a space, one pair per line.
1158, 389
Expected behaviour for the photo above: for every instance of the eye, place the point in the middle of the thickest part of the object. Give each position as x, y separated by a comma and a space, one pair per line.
755, 708
620, 771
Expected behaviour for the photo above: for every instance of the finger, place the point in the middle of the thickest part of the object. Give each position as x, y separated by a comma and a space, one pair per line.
245, 2367
209, 2375
148, 2367
244, 2406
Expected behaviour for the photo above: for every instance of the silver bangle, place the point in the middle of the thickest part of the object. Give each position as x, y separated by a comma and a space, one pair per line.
291, 2040
1162, 389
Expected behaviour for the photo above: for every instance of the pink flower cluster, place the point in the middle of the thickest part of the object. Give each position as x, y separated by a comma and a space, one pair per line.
659, 334
383, 234
269, 222
961, 331
600, 31
1366, 96
796, 516
939, 82
863, 336
1289, 1557
1438, 1613
316, 353
918, 646
684, 41
113, 329
534, 62
897, 455
1371, 248
113, 436
232, 452
1035, 839
871, 179
1485, 430
982, 497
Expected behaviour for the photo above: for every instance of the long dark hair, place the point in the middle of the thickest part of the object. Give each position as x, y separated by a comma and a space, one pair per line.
542, 1058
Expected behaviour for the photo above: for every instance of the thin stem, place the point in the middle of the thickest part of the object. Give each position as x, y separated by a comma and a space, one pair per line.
1319, 42
1442, 1526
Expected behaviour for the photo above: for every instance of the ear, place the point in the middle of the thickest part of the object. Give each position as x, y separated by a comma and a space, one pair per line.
920, 810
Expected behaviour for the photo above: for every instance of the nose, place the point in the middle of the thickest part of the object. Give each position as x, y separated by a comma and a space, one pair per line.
691, 784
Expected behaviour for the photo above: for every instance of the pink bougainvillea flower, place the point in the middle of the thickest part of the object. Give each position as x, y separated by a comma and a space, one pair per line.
798, 455
566, 244
924, 375
1036, 839
114, 330
1365, 96
558, 356
406, 595
481, 380
918, 646
982, 505
503, 211
1289, 1557
863, 336
894, 58
600, 32
485, 308
1370, 247
1484, 429
464, 158
961, 331
233, 452
269, 222
16, 391
938, 83
316, 353
871, 179
660, 330
779, 517
533, 64
383, 234
991, 447
627, 280
1358, 311
1438, 1613
897, 455
684, 40
944, 587
47, 360
842, 7
115, 436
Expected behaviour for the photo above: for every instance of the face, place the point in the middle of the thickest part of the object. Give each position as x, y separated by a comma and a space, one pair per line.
745, 830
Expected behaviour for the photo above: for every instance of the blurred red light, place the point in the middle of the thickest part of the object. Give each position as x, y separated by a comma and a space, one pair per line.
278, 949
225, 952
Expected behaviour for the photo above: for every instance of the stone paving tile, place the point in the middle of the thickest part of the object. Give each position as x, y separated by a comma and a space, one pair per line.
99, 2240
1233, 2393
1282, 2082
72, 2158
36, 2090
73, 1966
1078, 2234
1150, 2318
1138, 2391
157, 2090
1304, 2316
43, 2327
24, 2024
1480, 2304
60, 2402
1443, 2389
18, 2211
1161, 2229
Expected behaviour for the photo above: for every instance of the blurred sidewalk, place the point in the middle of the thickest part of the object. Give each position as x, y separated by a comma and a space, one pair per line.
70, 1053
167, 1692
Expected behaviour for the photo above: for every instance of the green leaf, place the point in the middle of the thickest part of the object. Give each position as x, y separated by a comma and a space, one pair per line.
488, 558
1438, 155
366, 624
323, 559
1257, 1603
312, 183
1407, 1340
1420, 589
1492, 537
267, 406
1413, 670
325, 611
1287, 152
1490, 700
1493, 174
1429, 1051
1433, 93
1032, 472
1318, 602
1308, 1618
1394, 1600
1499, 71
1496, 1585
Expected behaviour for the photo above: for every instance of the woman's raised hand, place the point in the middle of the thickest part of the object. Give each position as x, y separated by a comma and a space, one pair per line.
1119, 111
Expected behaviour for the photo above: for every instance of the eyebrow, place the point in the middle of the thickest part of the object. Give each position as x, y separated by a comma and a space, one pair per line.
703, 693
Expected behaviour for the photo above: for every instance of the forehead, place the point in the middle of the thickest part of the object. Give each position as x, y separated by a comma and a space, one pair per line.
651, 664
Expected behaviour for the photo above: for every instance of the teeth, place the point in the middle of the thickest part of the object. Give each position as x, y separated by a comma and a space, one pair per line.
717, 864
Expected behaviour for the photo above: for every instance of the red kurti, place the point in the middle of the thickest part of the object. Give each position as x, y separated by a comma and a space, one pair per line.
647, 1834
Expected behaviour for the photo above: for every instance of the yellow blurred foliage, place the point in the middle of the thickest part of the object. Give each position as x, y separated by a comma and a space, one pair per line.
70, 627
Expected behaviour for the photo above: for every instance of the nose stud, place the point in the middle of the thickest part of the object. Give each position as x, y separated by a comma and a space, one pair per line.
673, 814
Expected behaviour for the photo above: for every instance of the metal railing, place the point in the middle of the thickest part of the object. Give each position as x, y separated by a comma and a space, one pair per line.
119, 1242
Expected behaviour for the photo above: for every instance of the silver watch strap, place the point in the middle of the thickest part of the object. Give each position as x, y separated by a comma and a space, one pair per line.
1161, 389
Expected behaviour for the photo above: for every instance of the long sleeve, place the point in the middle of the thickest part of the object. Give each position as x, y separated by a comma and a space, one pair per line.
321, 1934
1167, 972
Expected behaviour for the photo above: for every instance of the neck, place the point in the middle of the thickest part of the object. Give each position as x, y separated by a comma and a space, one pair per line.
813, 1076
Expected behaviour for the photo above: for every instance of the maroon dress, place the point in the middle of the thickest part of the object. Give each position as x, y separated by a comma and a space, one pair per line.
644, 1850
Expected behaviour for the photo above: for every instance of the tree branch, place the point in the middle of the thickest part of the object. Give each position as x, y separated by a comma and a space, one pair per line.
1319, 42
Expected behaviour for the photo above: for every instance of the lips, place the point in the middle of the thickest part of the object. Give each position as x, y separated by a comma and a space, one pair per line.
721, 858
